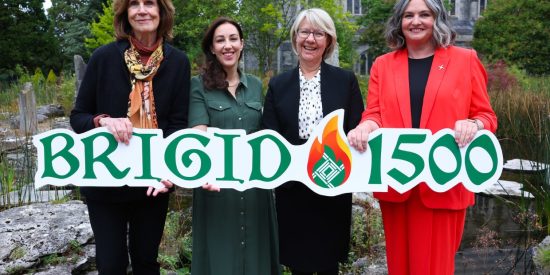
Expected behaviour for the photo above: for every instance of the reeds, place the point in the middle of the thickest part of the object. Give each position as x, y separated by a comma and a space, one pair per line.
522, 105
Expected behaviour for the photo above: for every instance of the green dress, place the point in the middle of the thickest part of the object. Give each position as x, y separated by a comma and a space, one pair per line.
234, 233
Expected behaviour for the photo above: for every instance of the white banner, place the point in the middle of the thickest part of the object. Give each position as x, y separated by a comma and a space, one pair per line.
400, 158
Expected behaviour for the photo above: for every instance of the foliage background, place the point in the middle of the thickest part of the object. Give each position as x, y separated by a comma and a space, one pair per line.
516, 31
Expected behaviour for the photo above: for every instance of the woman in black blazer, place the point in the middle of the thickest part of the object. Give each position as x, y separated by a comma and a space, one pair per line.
314, 230
138, 81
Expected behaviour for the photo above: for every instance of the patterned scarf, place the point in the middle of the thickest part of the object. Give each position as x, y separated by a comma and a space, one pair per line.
141, 102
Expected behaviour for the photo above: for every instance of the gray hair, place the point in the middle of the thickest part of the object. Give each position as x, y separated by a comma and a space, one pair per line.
443, 33
320, 19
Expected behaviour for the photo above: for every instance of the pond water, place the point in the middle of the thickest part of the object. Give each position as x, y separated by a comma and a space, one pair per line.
497, 237
493, 214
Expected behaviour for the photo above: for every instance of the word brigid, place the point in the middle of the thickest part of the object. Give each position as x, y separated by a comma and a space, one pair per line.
400, 158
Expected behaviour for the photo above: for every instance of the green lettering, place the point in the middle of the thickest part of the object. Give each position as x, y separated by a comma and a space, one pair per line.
256, 173
89, 159
64, 153
228, 157
170, 157
410, 157
439, 175
375, 146
146, 156
475, 175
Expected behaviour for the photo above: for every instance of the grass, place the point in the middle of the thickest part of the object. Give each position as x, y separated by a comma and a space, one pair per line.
53, 259
74, 247
522, 105
60, 92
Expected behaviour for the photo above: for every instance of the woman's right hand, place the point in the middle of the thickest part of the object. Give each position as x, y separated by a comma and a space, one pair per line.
359, 136
121, 128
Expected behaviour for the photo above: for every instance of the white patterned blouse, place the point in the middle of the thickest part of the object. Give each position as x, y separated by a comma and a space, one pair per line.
310, 111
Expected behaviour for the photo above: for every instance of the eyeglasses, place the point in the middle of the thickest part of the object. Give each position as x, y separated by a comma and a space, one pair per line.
316, 34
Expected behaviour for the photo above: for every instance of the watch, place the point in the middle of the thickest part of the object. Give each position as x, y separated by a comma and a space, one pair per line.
476, 122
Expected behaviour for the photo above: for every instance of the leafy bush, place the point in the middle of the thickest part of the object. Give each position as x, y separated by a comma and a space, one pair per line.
175, 248
497, 35
66, 93
500, 78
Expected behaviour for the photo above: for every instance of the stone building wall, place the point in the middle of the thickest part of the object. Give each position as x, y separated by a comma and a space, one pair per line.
463, 15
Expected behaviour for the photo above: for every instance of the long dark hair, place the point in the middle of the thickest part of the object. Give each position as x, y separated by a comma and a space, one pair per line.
213, 74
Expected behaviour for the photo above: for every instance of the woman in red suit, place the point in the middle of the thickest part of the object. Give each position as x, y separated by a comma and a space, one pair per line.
427, 83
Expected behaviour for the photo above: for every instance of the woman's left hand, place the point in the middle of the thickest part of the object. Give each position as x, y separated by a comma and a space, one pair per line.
465, 130
155, 191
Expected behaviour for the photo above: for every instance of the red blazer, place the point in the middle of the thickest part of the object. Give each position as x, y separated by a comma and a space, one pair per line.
456, 89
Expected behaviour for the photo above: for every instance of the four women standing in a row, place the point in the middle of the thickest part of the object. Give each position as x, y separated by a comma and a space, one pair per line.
425, 83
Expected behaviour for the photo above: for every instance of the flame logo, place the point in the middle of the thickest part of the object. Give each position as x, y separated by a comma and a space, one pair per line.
329, 163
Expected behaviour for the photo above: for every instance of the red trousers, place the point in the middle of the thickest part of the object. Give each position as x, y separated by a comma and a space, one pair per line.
420, 240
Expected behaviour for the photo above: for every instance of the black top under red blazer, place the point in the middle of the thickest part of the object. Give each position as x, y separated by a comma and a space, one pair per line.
314, 230
105, 90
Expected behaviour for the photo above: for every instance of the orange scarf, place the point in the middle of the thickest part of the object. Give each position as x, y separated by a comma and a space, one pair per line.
141, 102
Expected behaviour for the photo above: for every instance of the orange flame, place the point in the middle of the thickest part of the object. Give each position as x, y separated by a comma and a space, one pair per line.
332, 139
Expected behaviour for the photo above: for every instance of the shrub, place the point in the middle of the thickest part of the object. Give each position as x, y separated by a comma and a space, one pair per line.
500, 79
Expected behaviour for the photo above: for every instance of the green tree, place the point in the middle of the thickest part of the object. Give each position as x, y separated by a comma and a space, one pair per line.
27, 38
51, 79
373, 22
266, 24
193, 18
346, 28
102, 31
71, 20
38, 77
516, 31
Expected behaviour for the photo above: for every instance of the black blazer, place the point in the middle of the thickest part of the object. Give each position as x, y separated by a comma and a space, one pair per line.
105, 90
339, 90
314, 230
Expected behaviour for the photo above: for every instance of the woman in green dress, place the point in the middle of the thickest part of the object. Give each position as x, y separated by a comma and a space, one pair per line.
234, 232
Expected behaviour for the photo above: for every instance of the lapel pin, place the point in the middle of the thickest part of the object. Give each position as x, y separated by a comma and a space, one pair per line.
441, 67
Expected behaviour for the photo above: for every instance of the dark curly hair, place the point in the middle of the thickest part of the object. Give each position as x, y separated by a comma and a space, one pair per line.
213, 74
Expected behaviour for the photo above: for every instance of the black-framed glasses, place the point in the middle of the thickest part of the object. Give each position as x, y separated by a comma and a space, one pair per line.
316, 34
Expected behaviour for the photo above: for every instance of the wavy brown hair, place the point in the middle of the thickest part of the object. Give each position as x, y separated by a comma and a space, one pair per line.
213, 74
122, 26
